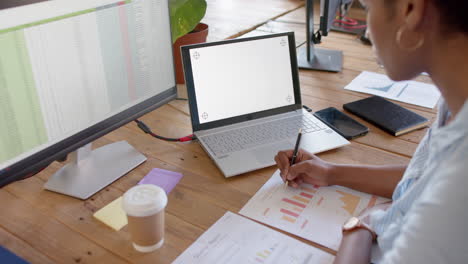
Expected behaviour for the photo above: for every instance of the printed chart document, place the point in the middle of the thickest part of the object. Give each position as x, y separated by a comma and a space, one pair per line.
411, 92
316, 214
235, 239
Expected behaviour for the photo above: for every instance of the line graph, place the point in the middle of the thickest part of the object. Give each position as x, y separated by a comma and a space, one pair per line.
384, 89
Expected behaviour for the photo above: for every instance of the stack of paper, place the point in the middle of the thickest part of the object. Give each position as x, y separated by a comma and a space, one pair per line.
411, 92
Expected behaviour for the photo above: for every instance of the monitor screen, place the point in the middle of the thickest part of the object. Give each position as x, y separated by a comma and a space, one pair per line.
71, 71
250, 76
15, 3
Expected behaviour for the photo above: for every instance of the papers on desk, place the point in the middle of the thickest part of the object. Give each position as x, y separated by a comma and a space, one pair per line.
316, 214
112, 215
411, 92
235, 239
115, 217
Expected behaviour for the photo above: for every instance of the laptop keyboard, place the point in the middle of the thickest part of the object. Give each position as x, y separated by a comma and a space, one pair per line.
260, 134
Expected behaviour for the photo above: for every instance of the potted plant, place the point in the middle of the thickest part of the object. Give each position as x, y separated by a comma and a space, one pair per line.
186, 28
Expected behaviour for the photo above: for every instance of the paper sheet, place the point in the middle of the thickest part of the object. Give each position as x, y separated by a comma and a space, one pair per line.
316, 214
411, 92
112, 215
162, 178
235, 239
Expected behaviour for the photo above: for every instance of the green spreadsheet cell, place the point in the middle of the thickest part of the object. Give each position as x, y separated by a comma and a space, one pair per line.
20, 113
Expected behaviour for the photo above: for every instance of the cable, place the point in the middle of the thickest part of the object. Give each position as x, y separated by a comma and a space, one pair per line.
308, 109
349, 23
147, 130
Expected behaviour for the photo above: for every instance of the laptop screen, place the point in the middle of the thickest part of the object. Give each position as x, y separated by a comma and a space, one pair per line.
239, 78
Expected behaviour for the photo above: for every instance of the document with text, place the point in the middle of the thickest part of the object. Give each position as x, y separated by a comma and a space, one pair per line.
235, 239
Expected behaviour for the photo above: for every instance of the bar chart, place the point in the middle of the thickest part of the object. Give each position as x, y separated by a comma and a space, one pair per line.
294, 206
263, 255
311, 212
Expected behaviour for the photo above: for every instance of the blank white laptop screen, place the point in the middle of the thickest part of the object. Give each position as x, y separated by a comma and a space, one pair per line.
242, 78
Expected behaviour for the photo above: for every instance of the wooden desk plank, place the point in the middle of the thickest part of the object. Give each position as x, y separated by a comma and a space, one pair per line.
229, 19
49, 236
261, 31
298, 16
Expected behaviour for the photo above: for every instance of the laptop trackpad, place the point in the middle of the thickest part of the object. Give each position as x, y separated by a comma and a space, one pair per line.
266, 154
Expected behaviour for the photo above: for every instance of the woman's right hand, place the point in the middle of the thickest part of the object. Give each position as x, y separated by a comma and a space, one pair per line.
308, 168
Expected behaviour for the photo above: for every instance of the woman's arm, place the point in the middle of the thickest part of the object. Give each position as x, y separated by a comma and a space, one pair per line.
377, 180
355, 247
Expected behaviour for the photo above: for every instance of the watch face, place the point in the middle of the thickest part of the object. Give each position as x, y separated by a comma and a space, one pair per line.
351, 223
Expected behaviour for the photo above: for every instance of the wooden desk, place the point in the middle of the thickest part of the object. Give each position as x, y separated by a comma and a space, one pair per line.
44, 227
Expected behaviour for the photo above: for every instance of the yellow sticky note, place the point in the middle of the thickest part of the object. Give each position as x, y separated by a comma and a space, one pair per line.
113, 215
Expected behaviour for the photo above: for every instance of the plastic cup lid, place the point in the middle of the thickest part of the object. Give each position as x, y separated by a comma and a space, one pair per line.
144, 200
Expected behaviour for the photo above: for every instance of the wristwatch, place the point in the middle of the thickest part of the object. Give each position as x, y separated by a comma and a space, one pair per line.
354, 223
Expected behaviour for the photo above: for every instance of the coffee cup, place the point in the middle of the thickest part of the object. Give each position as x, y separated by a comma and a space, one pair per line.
144, 205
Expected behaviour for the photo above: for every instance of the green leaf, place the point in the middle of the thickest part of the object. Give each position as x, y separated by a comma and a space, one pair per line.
185, 16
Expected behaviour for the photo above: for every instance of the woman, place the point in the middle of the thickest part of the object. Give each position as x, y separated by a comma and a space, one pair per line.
428, 219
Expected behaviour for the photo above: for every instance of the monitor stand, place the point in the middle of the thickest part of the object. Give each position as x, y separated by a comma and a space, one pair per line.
91, 170
319, 59
311, 58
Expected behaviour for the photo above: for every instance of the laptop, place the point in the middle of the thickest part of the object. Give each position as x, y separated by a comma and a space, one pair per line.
245, 102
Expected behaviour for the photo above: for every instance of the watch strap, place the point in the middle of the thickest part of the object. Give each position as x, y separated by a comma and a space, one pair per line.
360, 224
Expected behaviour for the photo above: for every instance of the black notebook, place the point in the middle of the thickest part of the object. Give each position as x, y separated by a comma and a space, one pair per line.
390, 117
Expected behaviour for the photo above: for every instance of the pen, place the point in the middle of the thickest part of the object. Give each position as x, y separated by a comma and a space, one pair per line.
296, 148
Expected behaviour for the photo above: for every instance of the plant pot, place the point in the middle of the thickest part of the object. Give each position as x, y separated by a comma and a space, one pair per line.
198, 35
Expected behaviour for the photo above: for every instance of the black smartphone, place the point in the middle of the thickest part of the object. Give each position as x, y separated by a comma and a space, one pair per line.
341, 123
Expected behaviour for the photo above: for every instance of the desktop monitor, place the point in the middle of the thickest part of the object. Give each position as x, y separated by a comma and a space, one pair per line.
72, 71
310, 57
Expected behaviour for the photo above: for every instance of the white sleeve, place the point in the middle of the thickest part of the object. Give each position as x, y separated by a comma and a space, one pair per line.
435, 230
